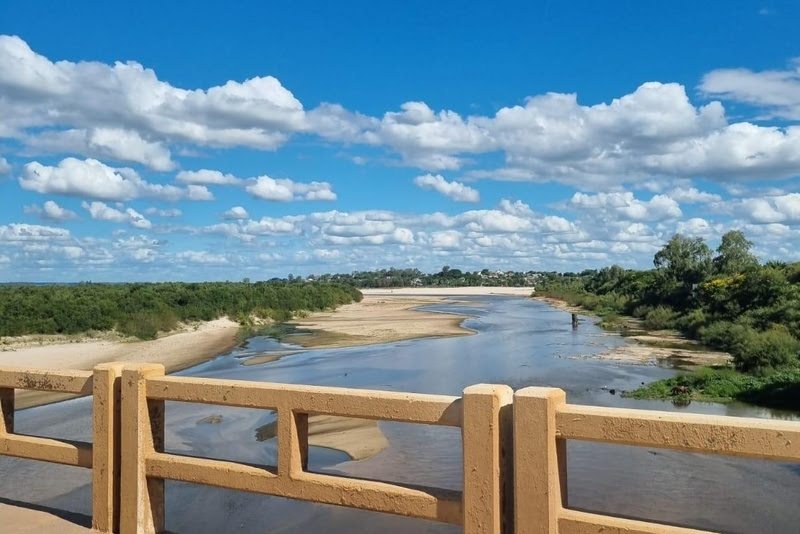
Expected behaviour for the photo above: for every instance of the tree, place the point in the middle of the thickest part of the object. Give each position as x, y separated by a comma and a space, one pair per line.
683, 263
733, 254
685, 259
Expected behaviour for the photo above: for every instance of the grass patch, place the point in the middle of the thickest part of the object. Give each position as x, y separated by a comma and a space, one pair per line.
780, 389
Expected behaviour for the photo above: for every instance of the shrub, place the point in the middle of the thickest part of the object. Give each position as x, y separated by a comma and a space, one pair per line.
761, 352
659, 318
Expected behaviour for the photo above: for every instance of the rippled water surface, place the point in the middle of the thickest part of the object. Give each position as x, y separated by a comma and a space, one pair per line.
518, 342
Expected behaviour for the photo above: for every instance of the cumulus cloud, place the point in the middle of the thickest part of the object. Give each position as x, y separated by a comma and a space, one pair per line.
452, 190
625, 205
172, 212
51, 211
107, 143
691, 195
201, 256
100, 211
92, 179
20, 233
206, 177
285, 190
5, 167
765, 210
257, 113
236, 212
776, 90
263, 187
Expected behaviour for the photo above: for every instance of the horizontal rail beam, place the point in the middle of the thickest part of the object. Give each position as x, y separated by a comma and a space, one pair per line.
64, 381
75, 453
576, 522
361, 403
733, 436
425, 503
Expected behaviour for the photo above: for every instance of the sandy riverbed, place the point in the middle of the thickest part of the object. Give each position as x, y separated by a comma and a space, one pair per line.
179, 350
389, 315
651, 346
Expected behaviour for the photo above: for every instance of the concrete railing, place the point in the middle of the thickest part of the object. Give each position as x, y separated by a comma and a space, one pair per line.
543, 421
145, 465
514, 448
101, 456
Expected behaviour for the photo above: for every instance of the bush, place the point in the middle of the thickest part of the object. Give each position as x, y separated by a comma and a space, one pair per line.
659, 318
761, 352
753, 351
692, 322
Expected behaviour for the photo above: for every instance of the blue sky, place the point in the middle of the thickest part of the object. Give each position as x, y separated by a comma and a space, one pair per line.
162, 141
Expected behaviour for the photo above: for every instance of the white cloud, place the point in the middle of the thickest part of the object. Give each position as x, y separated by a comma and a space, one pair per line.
172, 212
203, 257
777, 90
51, 211
452, 190
5, 167
106, 143
285, 190
206, 177
236, 212
93, 179
695, 226
257, 113
20, 233
446, 239
765, 210
625, 205
103, 212
691, 195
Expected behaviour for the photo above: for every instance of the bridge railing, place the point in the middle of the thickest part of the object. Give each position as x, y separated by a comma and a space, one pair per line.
145, 465
101, 455
543, 421
520, 487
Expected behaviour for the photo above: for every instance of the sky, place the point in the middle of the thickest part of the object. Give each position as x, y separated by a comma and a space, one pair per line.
181, 141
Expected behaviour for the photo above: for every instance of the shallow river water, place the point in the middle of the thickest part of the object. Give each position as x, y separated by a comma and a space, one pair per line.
519, 342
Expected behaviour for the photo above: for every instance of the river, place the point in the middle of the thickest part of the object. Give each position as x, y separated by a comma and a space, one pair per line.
518, 342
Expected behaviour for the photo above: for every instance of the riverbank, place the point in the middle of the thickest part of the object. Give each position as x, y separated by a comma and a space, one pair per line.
649, 346
189, 346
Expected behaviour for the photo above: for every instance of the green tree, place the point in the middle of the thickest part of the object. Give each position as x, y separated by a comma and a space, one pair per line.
683, 263
733, 254
684, 259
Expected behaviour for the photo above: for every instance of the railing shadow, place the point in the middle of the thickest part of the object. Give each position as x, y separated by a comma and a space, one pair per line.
81, 520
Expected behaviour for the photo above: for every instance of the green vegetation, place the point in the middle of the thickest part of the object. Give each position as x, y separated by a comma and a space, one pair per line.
144, 310
727, 301
780, 389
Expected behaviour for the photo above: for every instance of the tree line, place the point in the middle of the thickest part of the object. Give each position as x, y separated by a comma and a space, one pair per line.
446, 277
143, 310
727, 300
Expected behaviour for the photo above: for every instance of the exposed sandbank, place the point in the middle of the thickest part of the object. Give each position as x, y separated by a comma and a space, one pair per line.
378, 318
358, 438
179, 350
651, 346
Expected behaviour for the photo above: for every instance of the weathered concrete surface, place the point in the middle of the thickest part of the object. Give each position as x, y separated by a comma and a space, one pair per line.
21, 520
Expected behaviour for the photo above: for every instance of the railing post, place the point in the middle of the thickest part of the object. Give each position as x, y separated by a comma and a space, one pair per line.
292, 442
484, 440
142, 498
540, 477
105, 446
6, 411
